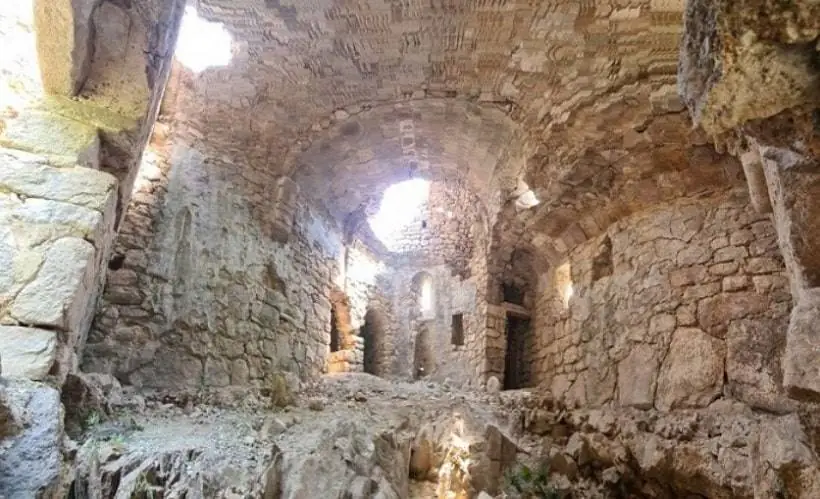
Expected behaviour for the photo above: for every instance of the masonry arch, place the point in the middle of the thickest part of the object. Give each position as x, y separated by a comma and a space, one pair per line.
423, 359
374, 334
423, 297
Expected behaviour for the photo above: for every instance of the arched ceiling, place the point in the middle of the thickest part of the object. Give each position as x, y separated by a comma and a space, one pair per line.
351, 163
301, 63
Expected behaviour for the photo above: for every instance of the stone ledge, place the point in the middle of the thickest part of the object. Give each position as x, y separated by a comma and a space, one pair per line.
43, 132
27, 352
34, 176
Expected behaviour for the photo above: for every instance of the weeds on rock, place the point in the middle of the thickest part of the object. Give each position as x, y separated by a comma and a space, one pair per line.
92, 419
525, 483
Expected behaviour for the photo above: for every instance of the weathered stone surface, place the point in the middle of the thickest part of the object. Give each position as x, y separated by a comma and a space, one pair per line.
43, 132
31, 176
27, 352
692, 372
64, 43
62, 289
31, 460
637, 378
801, 361
741, 64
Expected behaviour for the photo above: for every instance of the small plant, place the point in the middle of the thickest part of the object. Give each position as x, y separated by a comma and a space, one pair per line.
143, 488
92, 419
117, 442
530, 484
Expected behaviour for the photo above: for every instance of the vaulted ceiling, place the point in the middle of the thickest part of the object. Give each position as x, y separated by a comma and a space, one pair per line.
577, 98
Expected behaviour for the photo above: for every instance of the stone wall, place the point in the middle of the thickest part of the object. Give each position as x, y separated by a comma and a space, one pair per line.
430, 335
205, 288
442, 232
669, 308
365, 288
58, 209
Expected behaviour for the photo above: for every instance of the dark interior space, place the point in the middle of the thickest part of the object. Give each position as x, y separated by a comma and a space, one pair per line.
335, 341
516, 366
457, 333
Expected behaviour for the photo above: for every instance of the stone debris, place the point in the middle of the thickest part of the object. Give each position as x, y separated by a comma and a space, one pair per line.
602, 279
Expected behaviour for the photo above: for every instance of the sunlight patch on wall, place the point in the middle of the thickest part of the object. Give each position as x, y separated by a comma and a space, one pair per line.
563, 283
19, 70
202, 44
403, 205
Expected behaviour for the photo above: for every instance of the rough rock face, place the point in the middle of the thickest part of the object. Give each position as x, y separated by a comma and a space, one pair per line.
749, 76
748, 61
31, 438
356, 436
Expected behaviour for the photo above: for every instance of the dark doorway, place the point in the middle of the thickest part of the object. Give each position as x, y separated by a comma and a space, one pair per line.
335, 339
373, 334
423, 353
516, 366
457, 330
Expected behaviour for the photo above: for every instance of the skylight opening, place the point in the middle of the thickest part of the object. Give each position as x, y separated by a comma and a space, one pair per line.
202, 44
402, 212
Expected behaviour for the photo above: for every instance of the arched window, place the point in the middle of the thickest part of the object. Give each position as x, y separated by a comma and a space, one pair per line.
425, 293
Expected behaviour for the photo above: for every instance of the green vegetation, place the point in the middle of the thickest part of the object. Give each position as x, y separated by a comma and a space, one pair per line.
526, 483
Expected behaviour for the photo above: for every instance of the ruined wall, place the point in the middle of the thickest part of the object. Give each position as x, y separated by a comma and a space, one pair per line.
455, 258
442, 232
205, 288
430, 335
365, 287
58, 210
669, 308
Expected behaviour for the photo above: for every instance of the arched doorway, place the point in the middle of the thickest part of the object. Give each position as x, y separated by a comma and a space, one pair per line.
373, 332
423, 296
423, 353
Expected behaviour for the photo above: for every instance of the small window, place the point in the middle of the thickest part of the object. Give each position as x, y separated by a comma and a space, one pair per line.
335, 339
457, 333
426, 298
513, 294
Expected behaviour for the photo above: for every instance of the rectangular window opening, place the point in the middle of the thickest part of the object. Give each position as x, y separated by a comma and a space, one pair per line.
457, 336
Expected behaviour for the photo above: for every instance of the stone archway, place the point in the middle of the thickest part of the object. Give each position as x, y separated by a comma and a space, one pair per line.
423, 363
373, 332
340, 340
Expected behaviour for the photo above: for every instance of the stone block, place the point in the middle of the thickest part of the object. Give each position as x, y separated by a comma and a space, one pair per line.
34, 221
716, 312
64, 41
61, 291
637, 377
692, 372
43, 132
31, 176
27, 352
801, 360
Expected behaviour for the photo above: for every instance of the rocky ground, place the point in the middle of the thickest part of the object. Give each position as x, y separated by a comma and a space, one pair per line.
356, 436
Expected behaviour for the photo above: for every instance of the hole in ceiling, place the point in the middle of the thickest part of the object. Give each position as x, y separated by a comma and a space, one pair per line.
403, 206
202, 44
